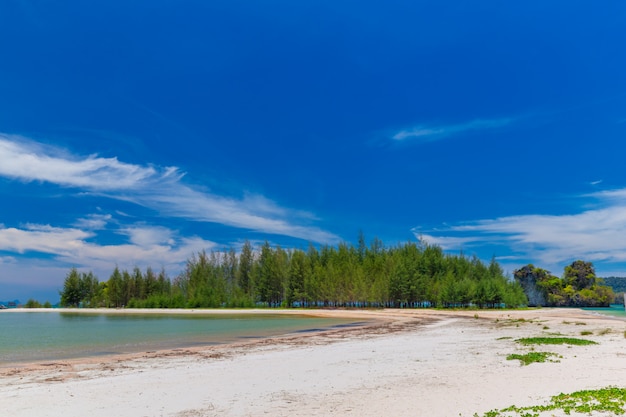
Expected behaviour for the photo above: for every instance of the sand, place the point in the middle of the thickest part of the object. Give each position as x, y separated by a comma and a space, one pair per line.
409, 363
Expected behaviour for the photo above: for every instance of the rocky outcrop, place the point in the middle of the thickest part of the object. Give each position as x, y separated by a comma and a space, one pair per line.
527, 277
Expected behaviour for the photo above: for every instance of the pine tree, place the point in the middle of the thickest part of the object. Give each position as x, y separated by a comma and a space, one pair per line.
71, 295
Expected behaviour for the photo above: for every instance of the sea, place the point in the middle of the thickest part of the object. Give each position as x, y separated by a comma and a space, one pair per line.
615, 310
54, 335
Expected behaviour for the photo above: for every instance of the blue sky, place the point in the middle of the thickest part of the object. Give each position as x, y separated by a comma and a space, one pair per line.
137, 133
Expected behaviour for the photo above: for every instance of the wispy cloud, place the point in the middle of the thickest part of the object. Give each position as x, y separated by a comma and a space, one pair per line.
445, 242
594, 235
23, 159
7, 260
160, 189
42, 238
93, 222
178, 200
145, 246
425, 133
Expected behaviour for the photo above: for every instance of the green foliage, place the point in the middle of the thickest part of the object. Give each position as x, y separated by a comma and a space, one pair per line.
610, 400
580, 275
71, 295
555, 341
407, 275
31, 303
618, 285
531, 357
579, 286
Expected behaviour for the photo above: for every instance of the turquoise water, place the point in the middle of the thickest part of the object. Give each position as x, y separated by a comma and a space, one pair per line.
46, 336
616, 310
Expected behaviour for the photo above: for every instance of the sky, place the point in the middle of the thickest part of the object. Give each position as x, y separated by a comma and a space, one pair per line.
137, 133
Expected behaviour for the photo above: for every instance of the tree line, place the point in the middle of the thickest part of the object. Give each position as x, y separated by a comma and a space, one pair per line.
618, 284
407, 275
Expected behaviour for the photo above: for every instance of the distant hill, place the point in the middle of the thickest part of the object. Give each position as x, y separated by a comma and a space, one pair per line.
10, 304
617, 283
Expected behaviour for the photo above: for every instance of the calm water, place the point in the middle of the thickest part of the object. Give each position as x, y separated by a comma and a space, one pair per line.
616, 310
43, 336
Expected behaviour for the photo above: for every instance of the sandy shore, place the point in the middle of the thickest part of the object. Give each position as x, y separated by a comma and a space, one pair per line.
410, 363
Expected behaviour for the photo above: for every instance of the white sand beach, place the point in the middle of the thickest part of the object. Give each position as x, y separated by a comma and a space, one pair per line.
411, 363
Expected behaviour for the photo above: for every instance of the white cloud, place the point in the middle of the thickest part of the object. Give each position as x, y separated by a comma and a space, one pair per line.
23, 159
42, 238
427, 134
147, 246
418, 132
182, 201
149, 236
93, 222
617, 196
160, 189
445, 242
596, 235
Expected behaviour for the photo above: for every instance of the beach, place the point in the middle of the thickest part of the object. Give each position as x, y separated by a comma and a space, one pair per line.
404, 363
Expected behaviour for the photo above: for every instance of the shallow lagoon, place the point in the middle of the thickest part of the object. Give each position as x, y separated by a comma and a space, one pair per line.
43, 336
615, 310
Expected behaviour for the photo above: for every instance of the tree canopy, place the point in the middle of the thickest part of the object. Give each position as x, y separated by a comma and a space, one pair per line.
407, 275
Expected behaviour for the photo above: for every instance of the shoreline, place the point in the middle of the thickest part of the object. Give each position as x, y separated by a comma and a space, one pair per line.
216, 311
420, 356
378, 321
368, 320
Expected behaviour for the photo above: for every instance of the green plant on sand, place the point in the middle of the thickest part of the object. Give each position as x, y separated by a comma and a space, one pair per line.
555, 341
608, 400
532, 357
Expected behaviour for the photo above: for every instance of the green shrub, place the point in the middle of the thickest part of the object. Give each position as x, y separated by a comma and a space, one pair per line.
555, 341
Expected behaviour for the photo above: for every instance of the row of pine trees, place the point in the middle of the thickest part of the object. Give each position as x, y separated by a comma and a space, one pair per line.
406, 275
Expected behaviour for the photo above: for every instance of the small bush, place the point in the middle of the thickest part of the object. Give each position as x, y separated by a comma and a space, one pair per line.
32, 304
